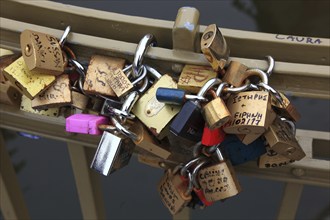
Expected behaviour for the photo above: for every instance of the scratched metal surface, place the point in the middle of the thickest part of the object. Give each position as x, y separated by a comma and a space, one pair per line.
47, 178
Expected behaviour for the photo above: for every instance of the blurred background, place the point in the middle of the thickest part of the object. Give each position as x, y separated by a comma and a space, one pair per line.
44, 168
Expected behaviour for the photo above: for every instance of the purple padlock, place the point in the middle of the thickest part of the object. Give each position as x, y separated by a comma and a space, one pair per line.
85, 124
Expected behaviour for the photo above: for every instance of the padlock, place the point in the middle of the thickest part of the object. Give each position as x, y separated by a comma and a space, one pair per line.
251, 112
42, 52
197, 187
175, 193
189, 122
192, 77
215, 112
281, 139
239, 153
235, 73
154, 114
26, 106
29, 83
218, 180
271, 159
285, 108
9, 94
79, 100
176, 96
5, 61
212, 136
214, 47
102, 72
113, 152
57, 95
85, 124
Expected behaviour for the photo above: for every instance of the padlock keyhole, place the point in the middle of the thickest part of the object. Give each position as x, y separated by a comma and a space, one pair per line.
28, 50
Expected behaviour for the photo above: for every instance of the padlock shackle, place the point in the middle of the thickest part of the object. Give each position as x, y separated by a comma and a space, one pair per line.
153, 72
195, 171
190, 186
147, 41
184, 169
123, 130
257, 72
208, 85
128, 104
271, 64
274, 92
64, 36
221, 88
291, 124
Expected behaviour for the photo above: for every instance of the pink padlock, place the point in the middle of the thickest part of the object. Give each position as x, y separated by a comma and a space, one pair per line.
85, 124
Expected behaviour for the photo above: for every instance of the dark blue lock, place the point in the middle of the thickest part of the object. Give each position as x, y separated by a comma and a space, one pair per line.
239, 153
189, 123
175, 96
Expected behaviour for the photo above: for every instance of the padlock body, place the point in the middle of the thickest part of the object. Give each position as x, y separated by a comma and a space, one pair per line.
30, 83
216, 113
271, 159
235, 74
79, 100
172, 192
101, 76
57, 95
287, 110
281, 139
189, 122
42, 52
9, 94
212, 136
85, 123
218, 181
251, 112
26, 105
193, 77
239, 153
156, 115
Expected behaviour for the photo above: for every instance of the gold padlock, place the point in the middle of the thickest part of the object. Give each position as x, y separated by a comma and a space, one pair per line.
235, 73
154, 114
285, 108
281, 139
271, 159
26, 105
30, 83
57, 95
104, 74
216, 112
193, 77
9, 95
214, 47
251, 112
218, 181
42, 52
5, 61
79, 100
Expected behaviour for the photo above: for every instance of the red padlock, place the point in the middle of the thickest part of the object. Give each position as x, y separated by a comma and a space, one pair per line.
212, 137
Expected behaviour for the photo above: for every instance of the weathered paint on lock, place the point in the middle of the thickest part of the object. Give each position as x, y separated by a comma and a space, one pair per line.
30, 83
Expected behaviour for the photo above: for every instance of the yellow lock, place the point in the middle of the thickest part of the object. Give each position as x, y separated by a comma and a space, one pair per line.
193, 77
26, 105
103, 74
30, 83
57, 95
42, 52
154, 114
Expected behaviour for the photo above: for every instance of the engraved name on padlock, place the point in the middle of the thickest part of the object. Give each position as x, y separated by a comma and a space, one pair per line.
103, 72
57, 95
193, 77
154, 114
251, 112
42, 52
26, 105
218, 181
271, 159
30, 83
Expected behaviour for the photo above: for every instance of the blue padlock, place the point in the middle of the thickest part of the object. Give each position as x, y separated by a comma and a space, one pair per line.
238, 153
175, 96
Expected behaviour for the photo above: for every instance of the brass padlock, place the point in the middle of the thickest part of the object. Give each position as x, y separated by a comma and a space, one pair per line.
193, 77
57, 95
251, 112
154, 114
26, 105
5, 61
235, 73
216, 112
30, 83
214, 47
285, 108
281, 139
42, 52
218, 181
9, 95
271, 159
105, 76
175, 193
